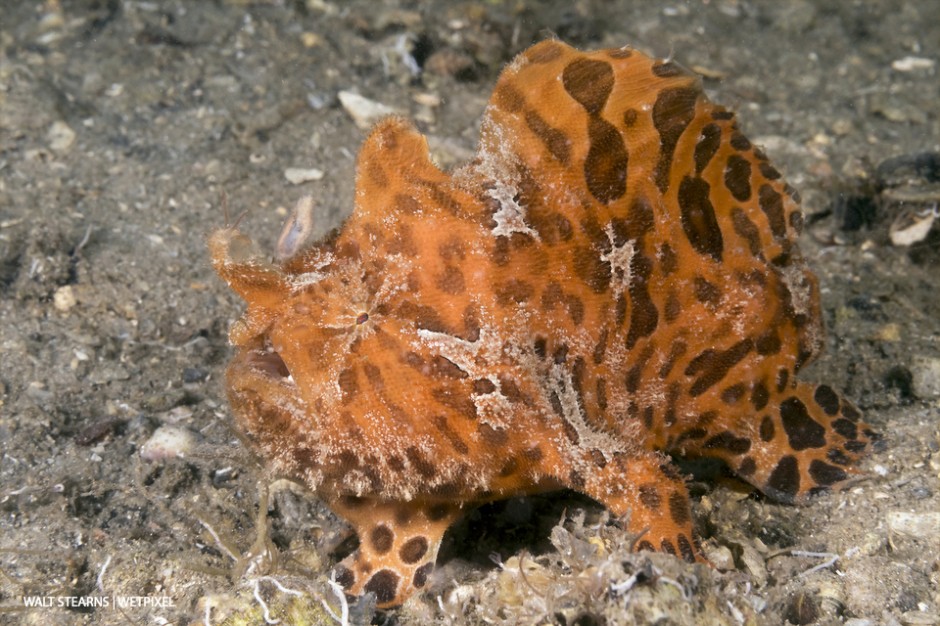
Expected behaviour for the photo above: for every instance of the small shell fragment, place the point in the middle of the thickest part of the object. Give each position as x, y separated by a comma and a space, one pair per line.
914, 524
168, 442
721, 557
60, 136
911, 227
64, 298
297, 175
362, 110
910, 63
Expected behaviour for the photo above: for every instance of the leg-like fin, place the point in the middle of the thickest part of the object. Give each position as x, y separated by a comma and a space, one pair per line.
807, 442
398, 544
651, 491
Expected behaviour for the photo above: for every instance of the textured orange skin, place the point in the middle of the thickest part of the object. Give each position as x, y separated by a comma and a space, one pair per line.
614, 277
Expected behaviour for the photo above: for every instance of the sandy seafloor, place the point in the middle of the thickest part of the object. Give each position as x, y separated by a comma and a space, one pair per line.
122, 123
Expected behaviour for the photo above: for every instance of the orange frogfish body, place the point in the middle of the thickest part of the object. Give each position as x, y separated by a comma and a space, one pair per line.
613, 279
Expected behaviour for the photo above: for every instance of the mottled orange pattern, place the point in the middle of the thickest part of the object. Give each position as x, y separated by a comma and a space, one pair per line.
614, 278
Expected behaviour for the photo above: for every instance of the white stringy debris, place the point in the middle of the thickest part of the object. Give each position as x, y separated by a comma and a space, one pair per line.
619, 259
